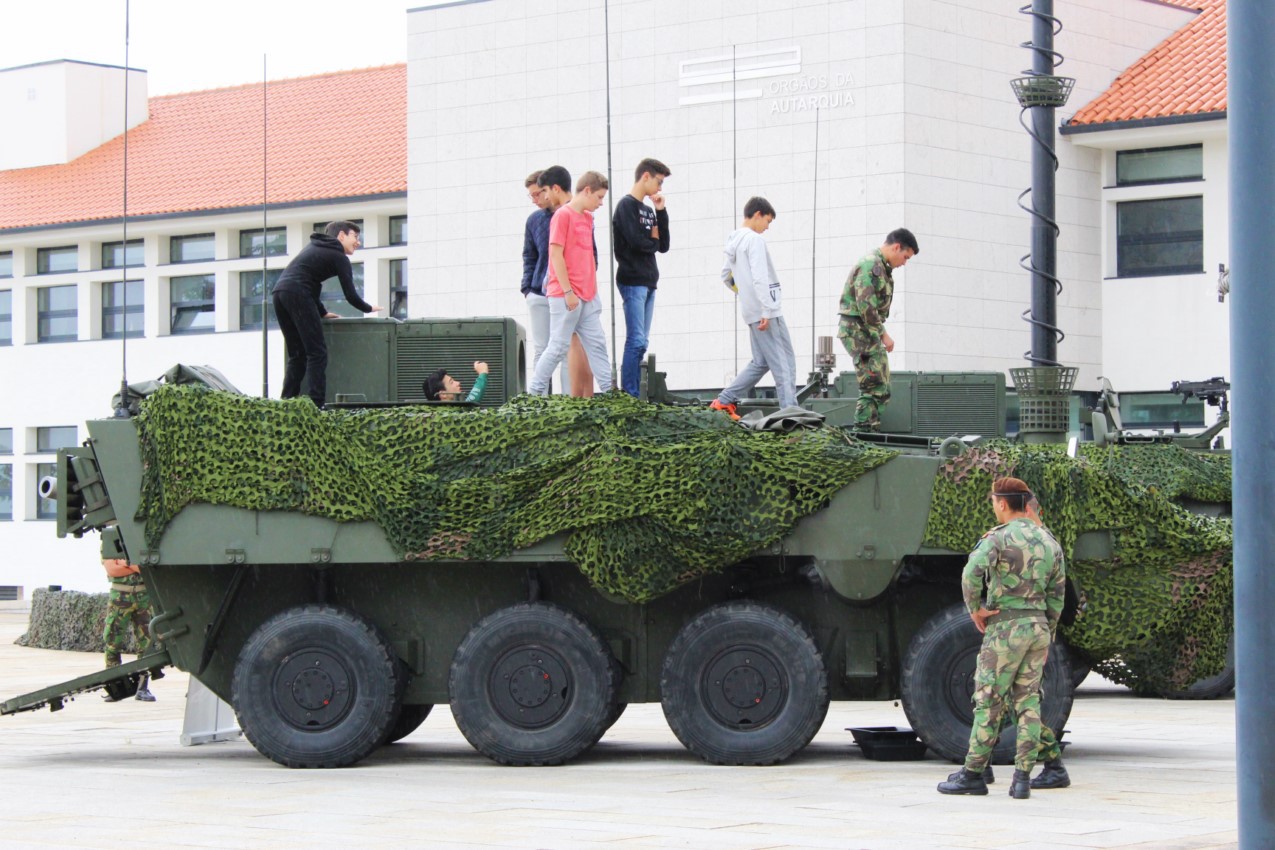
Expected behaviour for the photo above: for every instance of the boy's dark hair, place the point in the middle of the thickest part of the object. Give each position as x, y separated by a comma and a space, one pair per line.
556, 175
532, 179
592, 180
903, 236
335, 227
434, 384
651, 166
757, 204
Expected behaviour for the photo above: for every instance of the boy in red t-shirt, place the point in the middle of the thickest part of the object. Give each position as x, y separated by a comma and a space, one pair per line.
572, 286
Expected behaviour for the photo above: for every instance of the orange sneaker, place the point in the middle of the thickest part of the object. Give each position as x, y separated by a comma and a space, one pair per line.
728, 409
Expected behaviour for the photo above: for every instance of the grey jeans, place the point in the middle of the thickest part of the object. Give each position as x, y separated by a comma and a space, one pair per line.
772, 352
585, 322
538, 305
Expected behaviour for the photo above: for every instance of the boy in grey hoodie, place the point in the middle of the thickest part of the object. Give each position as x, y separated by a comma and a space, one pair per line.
748, 265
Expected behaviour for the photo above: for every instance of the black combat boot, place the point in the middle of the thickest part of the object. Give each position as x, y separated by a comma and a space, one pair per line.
964, 783
988, 776
143, 693
1020, 788
1052, 775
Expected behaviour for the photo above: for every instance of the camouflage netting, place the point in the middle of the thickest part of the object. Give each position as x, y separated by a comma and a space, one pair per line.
1159, 611
69, 619
651, 496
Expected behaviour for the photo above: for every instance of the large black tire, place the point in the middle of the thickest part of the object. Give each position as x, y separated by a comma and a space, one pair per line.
1211, 687
409, 720
938, 685
316, 686
1080, 668
532, 684
744, 683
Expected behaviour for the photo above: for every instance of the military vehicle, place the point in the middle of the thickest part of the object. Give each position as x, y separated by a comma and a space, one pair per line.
332, 631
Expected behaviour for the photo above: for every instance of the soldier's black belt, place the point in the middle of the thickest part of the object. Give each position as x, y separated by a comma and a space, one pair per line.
128, 588
1006, 614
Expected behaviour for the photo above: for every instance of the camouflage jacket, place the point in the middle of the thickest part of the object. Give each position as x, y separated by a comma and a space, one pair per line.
869, 292
1022, 565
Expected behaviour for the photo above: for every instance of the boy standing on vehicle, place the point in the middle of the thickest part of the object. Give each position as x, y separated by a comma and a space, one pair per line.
574, 307
300, 312
535, 263
1022, 566
751, 273
639, 232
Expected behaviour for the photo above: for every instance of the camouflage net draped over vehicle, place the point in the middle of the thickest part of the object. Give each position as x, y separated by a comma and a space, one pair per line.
652, 496
1159, 609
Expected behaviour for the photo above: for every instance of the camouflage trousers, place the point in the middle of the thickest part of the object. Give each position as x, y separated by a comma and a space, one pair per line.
125, 610
872, 366
1011, 664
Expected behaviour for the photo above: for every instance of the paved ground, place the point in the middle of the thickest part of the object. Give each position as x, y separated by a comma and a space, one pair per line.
1147, 774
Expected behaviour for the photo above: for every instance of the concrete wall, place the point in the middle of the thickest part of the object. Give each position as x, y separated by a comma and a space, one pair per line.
917, 127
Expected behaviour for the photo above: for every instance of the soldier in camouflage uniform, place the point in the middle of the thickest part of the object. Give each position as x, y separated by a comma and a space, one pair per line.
865, 305
129, 606
1023, 568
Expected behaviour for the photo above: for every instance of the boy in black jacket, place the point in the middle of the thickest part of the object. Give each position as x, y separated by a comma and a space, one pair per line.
638, 233
299, 310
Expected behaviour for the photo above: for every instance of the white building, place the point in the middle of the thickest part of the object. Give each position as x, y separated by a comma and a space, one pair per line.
194, 261
916, 127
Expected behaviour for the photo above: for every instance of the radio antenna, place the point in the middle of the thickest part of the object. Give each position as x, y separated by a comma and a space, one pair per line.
606, 20
814, 219
734, 179
121, 410
265, 253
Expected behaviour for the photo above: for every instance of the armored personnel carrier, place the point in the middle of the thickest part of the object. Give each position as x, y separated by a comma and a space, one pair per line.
538, 564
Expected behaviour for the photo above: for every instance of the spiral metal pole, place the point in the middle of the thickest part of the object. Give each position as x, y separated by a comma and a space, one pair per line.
1042, 262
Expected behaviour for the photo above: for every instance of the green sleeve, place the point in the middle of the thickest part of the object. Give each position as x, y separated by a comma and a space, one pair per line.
976, 568
476, 394
1056, 593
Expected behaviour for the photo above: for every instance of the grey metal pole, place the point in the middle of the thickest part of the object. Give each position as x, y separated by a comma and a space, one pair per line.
1251, 89
1044, 239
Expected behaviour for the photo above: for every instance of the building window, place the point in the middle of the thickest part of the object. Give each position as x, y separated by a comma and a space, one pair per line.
122, 307
250, 299
6, 441
398, 230
116, 256
1159, 165
57, 313
398, 289
193, 300
334, 299
6, 264
6, 317
276, 242
1161, 411
48, 440
1160, 237
6, 492
191, 249
56, 260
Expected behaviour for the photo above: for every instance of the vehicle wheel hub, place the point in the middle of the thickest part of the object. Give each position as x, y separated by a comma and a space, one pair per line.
530, 688
744, 688
313, 690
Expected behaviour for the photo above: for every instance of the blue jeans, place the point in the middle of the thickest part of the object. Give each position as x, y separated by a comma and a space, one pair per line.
639, 307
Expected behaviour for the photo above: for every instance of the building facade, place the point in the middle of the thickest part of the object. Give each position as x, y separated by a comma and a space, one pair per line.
851, 116
186, 284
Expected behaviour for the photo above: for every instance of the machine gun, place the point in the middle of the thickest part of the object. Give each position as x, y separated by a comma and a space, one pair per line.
1214, 393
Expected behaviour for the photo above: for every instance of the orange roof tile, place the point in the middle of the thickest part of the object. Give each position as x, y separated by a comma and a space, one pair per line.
335, 135
1183, 75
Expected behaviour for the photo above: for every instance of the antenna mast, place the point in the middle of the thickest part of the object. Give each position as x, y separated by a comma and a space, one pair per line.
121, 410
